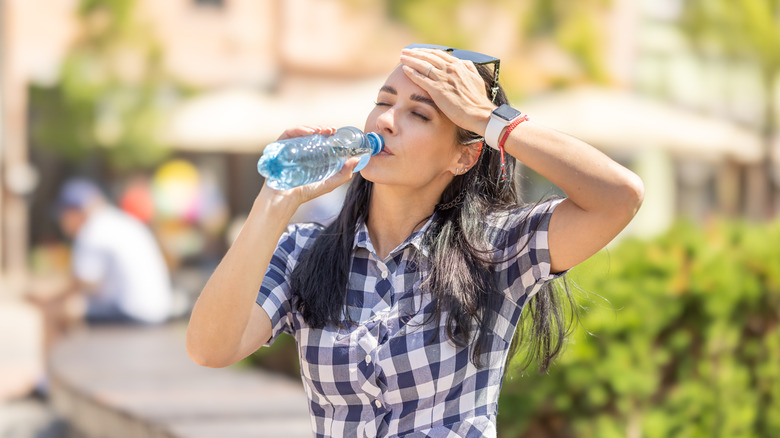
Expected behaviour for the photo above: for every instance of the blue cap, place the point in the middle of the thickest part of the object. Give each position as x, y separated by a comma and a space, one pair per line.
377, 143
78, 193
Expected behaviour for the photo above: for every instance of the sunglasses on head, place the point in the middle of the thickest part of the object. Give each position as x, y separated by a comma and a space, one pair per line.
467, 55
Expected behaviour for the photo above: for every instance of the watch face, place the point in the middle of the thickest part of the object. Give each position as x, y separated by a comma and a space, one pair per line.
506, 112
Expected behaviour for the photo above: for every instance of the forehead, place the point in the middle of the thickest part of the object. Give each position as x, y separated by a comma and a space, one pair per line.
402, 84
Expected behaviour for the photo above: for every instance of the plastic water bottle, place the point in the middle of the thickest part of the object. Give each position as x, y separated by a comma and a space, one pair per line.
303, 160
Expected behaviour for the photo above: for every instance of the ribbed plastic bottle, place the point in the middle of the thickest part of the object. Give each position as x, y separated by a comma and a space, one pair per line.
303, 160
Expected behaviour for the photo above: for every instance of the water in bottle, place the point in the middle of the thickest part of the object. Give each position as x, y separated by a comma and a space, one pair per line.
303, 160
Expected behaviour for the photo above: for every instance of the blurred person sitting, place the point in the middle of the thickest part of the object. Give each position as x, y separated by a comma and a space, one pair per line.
116, 263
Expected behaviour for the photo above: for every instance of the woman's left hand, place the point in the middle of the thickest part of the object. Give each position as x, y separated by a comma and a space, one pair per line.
454, 85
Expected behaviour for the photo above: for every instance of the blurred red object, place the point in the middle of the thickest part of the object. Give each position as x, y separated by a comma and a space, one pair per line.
137, 201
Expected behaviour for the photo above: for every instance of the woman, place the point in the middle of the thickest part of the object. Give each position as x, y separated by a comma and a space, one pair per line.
405, 307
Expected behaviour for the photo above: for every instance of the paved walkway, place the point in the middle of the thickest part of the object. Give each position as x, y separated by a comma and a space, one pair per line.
30, 417
130, 382
21, 368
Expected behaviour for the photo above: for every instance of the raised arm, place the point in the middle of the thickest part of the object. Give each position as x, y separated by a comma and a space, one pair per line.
602, 196
226, 324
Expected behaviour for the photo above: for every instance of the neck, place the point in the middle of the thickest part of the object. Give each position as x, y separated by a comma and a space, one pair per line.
394, 214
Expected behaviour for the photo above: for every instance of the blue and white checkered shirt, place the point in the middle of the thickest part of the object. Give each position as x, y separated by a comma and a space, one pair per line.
385, 376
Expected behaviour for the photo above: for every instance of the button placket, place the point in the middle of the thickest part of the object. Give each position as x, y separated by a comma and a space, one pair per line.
385, 288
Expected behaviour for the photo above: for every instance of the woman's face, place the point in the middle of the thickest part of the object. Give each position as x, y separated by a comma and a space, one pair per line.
420, 142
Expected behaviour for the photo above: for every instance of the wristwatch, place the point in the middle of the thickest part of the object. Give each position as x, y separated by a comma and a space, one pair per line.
500, 118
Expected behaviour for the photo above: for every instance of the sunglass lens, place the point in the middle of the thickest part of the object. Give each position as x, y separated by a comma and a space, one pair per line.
466, 55
475, 57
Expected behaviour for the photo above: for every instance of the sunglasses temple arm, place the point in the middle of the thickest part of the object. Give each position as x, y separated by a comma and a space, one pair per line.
494, 88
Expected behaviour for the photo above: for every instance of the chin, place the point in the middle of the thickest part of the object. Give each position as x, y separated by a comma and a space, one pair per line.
378, 174
368, 175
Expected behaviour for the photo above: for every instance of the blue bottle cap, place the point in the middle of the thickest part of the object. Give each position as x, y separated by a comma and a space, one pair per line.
376, 141
377, 144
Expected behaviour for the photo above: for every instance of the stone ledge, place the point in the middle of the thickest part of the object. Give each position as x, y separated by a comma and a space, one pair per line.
129, 382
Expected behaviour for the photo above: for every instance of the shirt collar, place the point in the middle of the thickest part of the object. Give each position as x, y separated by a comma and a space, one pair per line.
362, 239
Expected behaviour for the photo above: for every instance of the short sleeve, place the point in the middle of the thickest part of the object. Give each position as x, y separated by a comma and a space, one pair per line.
521, 249
275, 295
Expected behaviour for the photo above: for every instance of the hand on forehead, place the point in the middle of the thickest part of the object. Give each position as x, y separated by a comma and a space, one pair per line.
454, 85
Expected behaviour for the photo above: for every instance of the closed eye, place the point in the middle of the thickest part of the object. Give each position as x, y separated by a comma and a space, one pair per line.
421, 116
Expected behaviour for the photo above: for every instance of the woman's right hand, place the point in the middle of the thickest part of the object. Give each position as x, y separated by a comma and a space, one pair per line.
299, 195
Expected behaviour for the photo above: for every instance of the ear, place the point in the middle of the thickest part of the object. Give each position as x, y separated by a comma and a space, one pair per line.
469, 154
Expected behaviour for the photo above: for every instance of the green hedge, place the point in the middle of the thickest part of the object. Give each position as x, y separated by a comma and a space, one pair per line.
684, 342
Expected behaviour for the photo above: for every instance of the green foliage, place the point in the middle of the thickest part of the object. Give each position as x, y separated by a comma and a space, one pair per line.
281, 357
111, 94
60, 125
434, 21
685, 341
750, 28
574, 26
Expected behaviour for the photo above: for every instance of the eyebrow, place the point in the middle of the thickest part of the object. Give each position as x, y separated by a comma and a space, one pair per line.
415, 97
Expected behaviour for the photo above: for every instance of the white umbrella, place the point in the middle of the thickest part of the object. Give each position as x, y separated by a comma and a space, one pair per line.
618, 121
243, 120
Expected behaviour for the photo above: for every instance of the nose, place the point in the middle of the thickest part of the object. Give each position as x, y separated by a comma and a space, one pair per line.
385, 122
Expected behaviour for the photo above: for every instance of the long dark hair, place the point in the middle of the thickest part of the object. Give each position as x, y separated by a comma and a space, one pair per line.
460, 278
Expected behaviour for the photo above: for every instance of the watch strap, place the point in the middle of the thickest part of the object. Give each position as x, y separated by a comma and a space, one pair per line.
498, 121
493, 131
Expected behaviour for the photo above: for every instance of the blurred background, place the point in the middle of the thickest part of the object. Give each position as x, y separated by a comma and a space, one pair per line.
167, 105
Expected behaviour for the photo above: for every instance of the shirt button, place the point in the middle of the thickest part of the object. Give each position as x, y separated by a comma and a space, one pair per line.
377, 403
384, 275
368, 359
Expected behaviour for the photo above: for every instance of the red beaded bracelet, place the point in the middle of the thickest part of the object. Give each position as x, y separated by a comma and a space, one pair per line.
513, 125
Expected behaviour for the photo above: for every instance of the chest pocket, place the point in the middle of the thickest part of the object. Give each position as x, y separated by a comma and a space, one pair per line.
327, 363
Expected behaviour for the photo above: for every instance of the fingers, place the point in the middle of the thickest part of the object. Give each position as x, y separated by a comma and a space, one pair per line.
415, 76
436, 57
343, 175
314, 190
423, 64
303, 130
432, 63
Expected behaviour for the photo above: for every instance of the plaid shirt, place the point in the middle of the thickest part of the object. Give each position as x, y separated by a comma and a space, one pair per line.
390, 374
